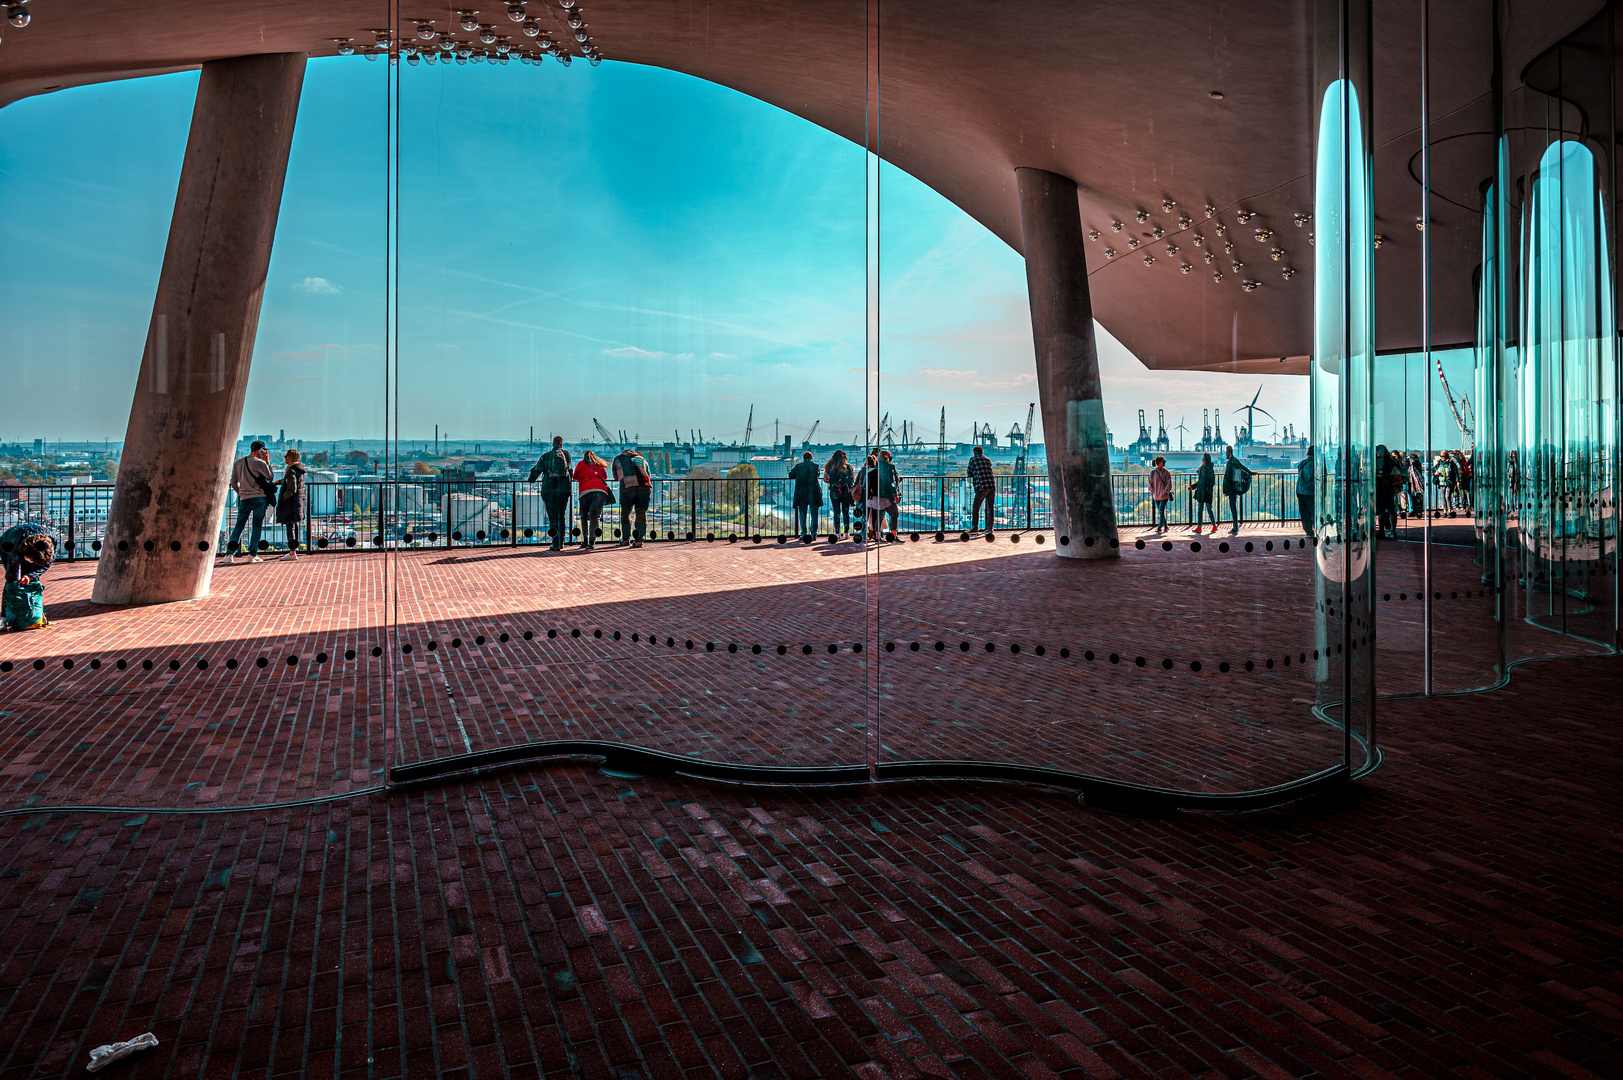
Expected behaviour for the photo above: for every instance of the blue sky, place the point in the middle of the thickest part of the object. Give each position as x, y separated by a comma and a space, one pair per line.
622, 242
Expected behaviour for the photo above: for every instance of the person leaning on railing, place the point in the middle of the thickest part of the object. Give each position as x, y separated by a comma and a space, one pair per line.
1236, 482
292, 502
841, 480
554, 469
808, 496
592, 474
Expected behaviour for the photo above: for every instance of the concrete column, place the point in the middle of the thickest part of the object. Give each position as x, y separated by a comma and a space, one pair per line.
179, 445
1068, 390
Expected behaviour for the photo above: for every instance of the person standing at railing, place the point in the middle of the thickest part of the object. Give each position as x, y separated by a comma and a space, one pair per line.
1205, 483
1160, 491
635, 486
255, 487
292, 501
1388, 481
27, 549
984, 484
842, 480
592, 474
1236, 482
808, 496
1304, 492
554, 469
877, 483
1417, 485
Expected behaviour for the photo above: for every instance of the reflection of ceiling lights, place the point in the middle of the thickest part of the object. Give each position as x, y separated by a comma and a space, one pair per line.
1167, 204
425, 29
491, 46
468, 19
1093, 234
17, 14
1249, 286
1142, 215
1288, 273
1185, 268
516, 12
344, 46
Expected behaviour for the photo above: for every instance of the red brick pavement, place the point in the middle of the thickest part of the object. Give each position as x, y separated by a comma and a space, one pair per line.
1458, 913
331, 721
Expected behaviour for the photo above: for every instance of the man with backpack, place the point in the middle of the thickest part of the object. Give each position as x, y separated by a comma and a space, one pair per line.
1236, 482
1304, 491
635, 486
554, 468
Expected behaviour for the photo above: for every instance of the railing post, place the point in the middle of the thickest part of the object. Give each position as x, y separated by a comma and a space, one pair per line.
512, 515
309, 504
445, 497
693, 508
73, 548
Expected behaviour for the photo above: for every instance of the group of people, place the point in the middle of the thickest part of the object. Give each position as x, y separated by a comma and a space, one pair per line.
1236, 482
1400, 484
27, 549
257, 490
631, 476
875, 485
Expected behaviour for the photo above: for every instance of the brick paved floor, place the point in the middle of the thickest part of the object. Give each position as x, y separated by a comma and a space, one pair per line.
235, 732
1458, 913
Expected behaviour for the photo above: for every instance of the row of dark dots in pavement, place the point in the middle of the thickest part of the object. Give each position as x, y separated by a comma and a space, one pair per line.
731, 538
1014, 649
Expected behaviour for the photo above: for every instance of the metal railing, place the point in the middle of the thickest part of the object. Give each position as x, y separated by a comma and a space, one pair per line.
411, 513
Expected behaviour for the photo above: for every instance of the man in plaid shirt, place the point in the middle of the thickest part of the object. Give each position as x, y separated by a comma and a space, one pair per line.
985, 485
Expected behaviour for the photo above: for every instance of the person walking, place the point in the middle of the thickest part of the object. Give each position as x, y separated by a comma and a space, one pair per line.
255, 487
27, 549
841, 480
1236, 482
1205, 483
1304, 492
1160, 491
291, 501
983, 483
636, 484
808, 496
592, 475
554, 469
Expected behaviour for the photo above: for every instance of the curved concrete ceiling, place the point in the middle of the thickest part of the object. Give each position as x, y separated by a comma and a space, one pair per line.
1119, 96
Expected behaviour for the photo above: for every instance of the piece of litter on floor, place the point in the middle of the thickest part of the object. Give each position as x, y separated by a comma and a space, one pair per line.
103, 1056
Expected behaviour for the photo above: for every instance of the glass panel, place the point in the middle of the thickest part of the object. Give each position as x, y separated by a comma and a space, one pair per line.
606, 255
200, 264
1186, 662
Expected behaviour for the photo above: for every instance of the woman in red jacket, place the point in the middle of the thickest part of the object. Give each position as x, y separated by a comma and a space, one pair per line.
592, 474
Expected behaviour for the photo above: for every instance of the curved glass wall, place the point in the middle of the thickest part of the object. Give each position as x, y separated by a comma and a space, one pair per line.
791, 238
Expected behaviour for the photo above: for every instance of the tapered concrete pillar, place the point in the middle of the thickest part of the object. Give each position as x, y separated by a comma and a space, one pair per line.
179, 445
1068, 389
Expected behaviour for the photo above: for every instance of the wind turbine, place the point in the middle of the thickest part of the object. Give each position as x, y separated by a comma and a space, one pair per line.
1180, 429
1250, 421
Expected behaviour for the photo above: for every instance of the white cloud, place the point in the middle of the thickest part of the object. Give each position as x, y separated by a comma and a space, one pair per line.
946, 373
721, 356
317, 285
631, 352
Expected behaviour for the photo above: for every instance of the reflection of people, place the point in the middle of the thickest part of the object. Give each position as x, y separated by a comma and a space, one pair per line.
1205, 482
1387, 481
251, 479
291, 502
554, 468
808, 495
27, 550
635, 486
888, 494
841, 480
592, 474
1304, 492
1160, 491
1236, 482
1417, 485
984, 484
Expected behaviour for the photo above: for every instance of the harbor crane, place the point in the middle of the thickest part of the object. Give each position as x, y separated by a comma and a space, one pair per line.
1021, 436
749, 426
1161, 441
985, 436
603, 433
1461, 421
807, 440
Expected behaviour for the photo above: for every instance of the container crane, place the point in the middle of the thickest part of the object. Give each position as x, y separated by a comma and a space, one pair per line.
807, 440
602, 432
749, 426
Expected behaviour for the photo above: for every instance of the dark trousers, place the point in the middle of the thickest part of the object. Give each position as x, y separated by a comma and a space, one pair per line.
806, 520
1304, 503
292, 535
251, 507
557, 517
1203, 510
988, 498
1161, 513
1234, 511
591, 516
841, 512
633, 499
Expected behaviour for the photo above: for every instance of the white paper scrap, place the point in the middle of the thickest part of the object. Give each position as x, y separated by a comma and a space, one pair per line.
103, 1056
